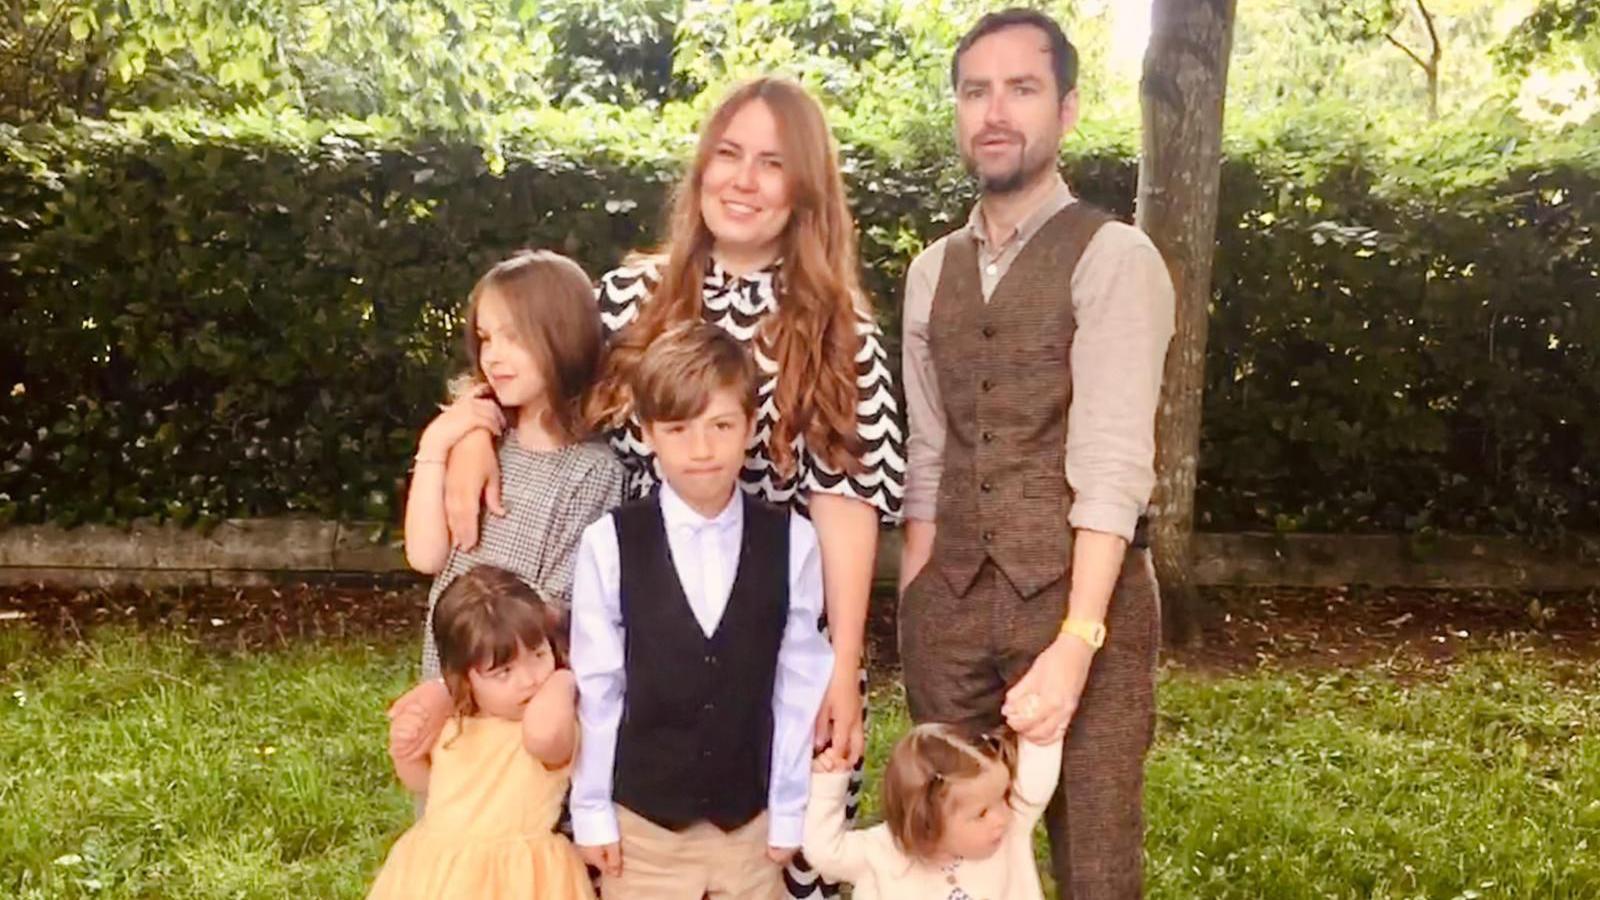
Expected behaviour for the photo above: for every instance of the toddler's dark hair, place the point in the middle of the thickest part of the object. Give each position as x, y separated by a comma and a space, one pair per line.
480, 620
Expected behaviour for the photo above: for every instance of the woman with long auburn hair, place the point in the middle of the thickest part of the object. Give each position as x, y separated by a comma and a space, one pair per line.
761, 242
768, 220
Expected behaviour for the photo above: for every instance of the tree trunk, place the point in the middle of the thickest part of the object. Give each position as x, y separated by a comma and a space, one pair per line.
1432, 68
1185, 80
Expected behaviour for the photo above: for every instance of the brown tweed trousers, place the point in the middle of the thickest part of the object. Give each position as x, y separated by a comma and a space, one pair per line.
994, 593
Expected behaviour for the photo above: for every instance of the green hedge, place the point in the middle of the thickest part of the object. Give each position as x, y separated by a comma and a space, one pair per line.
226, 326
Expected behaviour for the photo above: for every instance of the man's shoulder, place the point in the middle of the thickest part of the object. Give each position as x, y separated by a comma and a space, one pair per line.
932, 256
923, 274
1121, 237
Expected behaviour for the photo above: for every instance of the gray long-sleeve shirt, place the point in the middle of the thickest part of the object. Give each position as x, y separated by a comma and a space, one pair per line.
1123, 302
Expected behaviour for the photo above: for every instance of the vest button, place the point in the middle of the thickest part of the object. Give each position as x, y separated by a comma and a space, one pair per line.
711, 659
988, 331
988, 537
709, 707
988, 437
986, 385
986, 487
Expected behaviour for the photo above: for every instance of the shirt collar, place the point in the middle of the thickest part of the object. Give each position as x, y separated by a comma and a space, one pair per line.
677, 513
719, 278
1053, 202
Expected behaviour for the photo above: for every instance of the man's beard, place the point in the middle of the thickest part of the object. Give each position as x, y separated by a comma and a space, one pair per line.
1006, 182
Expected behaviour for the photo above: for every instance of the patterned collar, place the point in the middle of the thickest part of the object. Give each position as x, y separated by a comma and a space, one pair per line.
758, 289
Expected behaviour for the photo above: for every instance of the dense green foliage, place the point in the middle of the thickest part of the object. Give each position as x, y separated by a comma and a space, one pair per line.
150, 769
248, 323
234, 235
1405, 341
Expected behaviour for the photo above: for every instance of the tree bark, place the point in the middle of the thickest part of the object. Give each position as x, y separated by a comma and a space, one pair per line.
1432, 68
1181, 95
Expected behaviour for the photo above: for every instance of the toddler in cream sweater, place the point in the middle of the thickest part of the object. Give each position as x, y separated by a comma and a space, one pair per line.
959, 811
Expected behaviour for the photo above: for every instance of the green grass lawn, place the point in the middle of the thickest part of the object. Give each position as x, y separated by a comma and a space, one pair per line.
136, 766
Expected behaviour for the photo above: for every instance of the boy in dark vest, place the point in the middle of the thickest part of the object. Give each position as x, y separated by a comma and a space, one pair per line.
699, 662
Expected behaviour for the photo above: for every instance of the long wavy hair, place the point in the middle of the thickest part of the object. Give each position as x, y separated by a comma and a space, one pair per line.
812, 335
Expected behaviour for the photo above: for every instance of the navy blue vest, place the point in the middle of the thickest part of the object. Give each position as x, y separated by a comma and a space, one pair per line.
695, 743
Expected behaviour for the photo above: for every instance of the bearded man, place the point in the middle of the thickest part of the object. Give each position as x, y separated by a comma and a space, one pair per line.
1034, 342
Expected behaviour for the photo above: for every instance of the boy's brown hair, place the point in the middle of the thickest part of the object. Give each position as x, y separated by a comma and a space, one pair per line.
551, 302
480, 620
921, 769
680, 369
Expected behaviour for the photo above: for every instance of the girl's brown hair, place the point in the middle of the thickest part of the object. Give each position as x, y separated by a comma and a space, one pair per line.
917, 779
551, 304
812, 335
479, 622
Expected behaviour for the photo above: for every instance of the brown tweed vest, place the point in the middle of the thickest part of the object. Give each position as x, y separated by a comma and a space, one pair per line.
1004, 377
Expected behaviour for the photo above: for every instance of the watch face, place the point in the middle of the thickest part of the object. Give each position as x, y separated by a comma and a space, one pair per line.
1093, 634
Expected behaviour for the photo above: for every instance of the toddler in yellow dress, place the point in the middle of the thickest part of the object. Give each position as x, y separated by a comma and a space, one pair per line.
497, 774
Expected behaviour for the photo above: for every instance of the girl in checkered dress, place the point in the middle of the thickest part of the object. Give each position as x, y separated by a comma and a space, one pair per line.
533, 338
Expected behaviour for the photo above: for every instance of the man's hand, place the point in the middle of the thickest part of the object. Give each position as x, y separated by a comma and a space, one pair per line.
471, 477
840, 729
1041, 705
781, 855
605, 857
416, 719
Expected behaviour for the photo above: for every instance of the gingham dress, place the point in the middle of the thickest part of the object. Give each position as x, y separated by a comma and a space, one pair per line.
739, 304
550, 497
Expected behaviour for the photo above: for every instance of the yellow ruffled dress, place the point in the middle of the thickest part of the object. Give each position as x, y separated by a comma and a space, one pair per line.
487, 828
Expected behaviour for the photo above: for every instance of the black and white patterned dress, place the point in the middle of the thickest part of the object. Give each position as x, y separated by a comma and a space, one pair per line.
550, 496
739, 304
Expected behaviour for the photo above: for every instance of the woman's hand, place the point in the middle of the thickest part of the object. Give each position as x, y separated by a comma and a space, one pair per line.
841, 730
471, 478
468, 413
826, 762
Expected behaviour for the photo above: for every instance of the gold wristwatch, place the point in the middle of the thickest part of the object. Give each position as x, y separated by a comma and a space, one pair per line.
1091, 633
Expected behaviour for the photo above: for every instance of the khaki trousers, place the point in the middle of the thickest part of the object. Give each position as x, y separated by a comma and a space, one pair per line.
959, 655
699, 861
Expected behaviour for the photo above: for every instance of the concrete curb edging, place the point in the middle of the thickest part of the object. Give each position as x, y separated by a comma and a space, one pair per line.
246, 552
